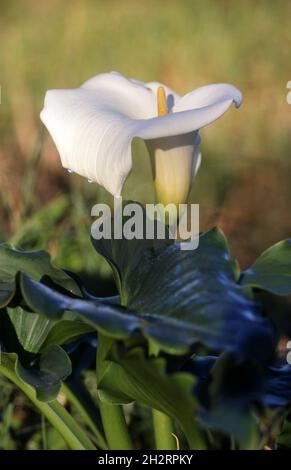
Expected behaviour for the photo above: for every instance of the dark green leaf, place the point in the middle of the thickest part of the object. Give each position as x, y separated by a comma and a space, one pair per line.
47, 374
229, 394
109, 319
7, 291
30, 328
34, 263
272, 270
172, 335
44, 373
65, 331
131, 376
189, 295
126, 258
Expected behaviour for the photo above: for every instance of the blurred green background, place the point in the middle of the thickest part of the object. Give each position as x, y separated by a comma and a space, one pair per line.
244, 181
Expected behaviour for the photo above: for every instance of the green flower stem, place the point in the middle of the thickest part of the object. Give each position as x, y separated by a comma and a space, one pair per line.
163, 429
196, 439
115, 427
43, 433
58, 416
112, 416
74, 400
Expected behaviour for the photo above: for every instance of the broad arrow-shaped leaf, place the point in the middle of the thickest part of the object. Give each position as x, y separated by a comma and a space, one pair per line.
191, 295
174, 298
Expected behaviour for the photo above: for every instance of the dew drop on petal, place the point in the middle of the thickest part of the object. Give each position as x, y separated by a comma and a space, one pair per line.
90, 181
70, 171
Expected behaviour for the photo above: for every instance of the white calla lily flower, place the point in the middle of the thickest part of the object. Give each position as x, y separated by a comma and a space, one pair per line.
93, 127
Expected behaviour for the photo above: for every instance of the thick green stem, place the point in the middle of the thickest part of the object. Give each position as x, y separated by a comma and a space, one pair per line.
196, 440
115, 427
164, 431
58, 416
74, 400
43, 433
112, 416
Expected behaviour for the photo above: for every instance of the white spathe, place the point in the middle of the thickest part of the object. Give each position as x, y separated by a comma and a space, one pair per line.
93, 127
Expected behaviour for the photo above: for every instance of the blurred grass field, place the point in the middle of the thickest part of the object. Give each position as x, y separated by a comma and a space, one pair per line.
244, 182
